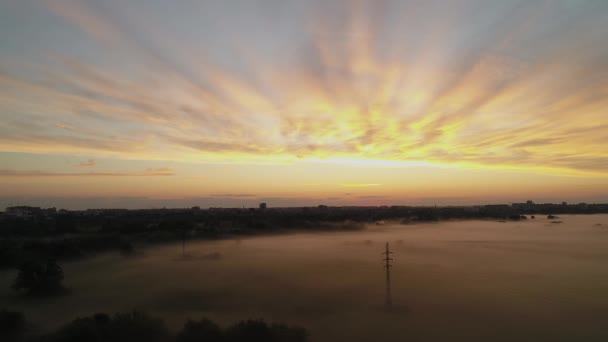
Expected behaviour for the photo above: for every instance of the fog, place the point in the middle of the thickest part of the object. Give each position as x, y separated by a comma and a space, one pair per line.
461, 280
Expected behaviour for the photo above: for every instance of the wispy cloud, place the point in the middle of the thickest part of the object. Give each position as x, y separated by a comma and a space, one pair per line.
360, 184
147, 172
233, 195
87, 163
526, 92
372, 197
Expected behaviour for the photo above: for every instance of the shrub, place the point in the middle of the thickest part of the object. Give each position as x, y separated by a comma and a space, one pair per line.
250, 330
12, 325
199, 331
39, 278
259, 331
123, 327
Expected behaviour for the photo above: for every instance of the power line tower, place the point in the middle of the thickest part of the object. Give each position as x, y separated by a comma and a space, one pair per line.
387, 265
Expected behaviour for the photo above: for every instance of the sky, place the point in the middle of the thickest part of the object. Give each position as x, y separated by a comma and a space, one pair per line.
150, 103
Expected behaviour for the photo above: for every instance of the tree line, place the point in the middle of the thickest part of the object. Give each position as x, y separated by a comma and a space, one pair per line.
139, 326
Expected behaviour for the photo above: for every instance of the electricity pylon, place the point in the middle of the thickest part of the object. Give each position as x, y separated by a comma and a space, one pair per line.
387, 264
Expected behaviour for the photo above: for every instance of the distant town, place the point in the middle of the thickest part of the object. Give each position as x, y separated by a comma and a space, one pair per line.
37, 233
359, 213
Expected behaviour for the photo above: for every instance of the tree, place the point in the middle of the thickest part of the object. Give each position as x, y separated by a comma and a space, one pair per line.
260, 331
126, 248
12, 325
37, 278
250, 330
199, 331
284, 333
122, 327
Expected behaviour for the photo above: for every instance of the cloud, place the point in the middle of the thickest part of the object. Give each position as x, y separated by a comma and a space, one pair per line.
161, 171
78, 14
359, 184
87, 163
456, 91
146, 172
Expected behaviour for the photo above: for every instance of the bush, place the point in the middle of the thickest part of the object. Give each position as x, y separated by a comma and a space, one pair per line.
284, 333
200, 331
250, 330
12, 325
39, 278
123, 327
137, 326
9, 254
126, 248
259, 331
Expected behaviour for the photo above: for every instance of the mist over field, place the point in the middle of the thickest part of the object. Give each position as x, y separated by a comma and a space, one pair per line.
456, 280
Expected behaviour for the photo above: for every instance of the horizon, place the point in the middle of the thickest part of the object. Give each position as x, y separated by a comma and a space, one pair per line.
302, 102
127, 203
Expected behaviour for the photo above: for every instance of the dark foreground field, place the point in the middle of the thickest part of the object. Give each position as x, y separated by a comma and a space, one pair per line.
462, 280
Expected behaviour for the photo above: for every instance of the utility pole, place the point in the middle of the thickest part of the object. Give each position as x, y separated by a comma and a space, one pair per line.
387, 264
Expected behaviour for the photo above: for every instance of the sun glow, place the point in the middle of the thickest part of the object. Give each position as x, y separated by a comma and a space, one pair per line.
365, 85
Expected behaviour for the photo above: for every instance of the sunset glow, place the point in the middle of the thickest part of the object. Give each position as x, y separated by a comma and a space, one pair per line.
303, 102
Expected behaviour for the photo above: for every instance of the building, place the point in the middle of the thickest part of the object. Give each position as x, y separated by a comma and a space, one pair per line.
263, 206
28, 212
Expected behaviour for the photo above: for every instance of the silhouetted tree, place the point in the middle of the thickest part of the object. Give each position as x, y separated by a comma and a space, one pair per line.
259, 331
39, 278
123, 327
137, 326
251, 331
12, 325
285, 333
126, 248
9, 253
200, 331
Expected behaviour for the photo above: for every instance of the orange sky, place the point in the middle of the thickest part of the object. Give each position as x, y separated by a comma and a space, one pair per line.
353, 102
